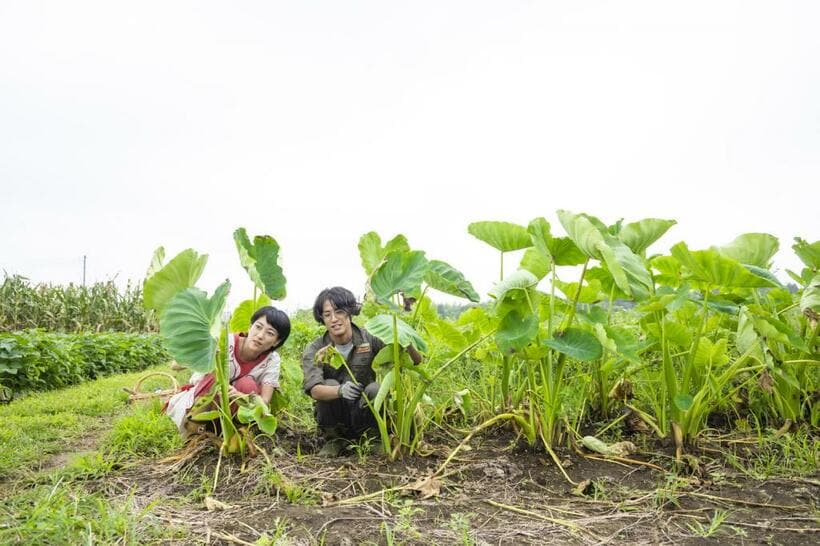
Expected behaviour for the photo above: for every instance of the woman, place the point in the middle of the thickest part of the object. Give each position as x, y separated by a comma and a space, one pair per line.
253, 364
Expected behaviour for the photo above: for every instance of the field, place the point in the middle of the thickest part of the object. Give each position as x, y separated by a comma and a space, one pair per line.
603, 394
115, 474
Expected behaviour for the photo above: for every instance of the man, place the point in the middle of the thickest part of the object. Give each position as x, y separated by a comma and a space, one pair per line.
341, 413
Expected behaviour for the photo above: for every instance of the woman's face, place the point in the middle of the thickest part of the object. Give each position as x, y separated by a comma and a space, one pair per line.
261, 336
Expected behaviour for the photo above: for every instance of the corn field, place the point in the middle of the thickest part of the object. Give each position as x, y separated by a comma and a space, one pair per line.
72, 308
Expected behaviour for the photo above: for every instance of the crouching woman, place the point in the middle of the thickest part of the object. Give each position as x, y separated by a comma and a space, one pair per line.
253, 366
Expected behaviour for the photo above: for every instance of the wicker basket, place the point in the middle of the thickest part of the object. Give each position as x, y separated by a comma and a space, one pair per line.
163, 394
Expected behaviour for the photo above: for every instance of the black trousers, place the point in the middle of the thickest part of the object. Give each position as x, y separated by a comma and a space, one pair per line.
342, 418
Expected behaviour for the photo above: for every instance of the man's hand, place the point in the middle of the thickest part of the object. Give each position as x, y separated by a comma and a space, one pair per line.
350, 391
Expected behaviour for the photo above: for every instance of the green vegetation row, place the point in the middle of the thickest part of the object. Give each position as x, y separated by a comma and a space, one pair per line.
33, 360
98, 307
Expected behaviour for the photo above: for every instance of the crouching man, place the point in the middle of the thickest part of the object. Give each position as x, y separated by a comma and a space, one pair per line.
341, 413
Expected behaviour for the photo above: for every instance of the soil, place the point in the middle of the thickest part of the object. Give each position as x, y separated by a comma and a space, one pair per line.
497, 492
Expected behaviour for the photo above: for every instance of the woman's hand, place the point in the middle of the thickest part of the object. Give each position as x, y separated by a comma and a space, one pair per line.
233, 394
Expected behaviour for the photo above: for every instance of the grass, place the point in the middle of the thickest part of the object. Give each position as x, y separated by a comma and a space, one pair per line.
66, 513
42, 424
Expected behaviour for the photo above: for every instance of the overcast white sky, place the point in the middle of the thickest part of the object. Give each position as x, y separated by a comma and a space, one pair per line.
124, 126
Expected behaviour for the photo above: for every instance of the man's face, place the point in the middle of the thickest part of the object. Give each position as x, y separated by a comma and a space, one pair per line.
337, 322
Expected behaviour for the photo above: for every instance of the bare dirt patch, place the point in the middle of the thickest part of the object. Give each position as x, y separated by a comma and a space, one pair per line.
496, 493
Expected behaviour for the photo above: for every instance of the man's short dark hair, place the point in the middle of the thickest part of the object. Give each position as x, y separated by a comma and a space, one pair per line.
340, 298
276, 318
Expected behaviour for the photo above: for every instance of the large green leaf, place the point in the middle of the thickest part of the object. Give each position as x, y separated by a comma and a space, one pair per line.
638, 277
446, 334
746, 338
627, 343
590, 291
520, 279
765, 274
516, 330
261, 260
809, 254
537, 259
241, 317
157, 261
539, 230
372, 252
503, 236
751, 249
566, 252
180, 273
712, 269
381, 326
444, 277
583, 232
190, 326
639, 235
400, 272
811, 296
535, 262
711, 354
613, 265
576, 343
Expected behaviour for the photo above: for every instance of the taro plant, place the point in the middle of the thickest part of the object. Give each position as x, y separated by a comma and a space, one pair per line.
194, 330
537, 333
684, 319
395, 271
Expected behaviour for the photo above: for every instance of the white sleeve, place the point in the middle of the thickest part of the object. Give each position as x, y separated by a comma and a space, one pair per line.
271, 374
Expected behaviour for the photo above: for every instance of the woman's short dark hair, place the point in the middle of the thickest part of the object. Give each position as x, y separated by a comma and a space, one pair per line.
276, 318
340, 298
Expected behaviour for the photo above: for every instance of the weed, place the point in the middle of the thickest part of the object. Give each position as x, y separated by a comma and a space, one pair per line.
460, 525
404, 526
274, 482
87, 466
148, 432
64, 514
706, 531
279, 537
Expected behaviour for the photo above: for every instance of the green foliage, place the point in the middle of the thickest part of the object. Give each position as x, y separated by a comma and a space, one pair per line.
95, 308
400, 272
373, 253
755, 249
190, 326
39, 424
381, 326
638, 236
502, 236
261, 260
68, 514
180, 273
147, 432
577, 344
241, 316
33, 360
443, 277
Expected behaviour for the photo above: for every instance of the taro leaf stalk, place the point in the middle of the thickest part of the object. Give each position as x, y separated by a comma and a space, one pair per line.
400, 271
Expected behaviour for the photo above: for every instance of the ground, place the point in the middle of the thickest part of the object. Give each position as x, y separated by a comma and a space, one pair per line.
497, 492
